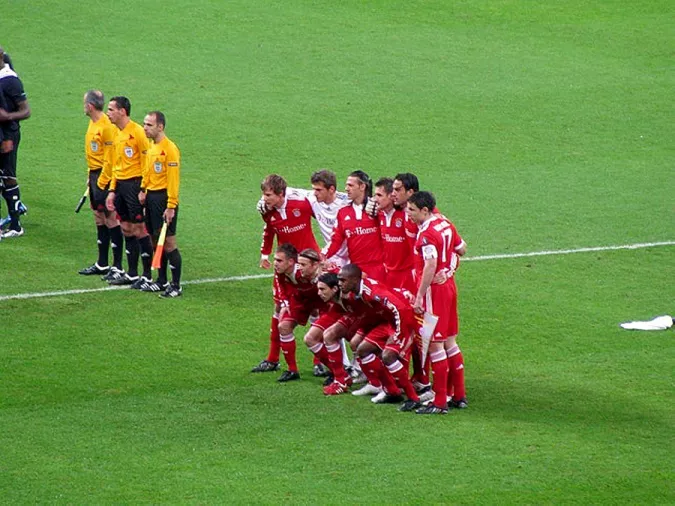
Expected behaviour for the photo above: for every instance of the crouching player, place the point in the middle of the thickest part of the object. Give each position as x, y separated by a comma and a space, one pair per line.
387, 323
295, 278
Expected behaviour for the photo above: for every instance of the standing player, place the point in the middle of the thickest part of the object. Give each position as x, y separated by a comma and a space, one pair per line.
436, 250
358, 230
159, 194
397, 247
13, 109
130, 151
289, 219
98, 146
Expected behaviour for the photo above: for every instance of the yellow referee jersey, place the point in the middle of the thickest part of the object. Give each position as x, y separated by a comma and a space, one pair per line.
130, 149
98, 146
163, 170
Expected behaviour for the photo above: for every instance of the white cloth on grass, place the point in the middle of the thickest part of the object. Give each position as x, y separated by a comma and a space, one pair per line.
658, 323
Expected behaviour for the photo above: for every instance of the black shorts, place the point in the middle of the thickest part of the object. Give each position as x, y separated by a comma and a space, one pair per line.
8, 160
96, 195
155, 205
128, 207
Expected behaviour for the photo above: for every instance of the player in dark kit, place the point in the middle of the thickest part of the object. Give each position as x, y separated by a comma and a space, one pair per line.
13, 109
159, 194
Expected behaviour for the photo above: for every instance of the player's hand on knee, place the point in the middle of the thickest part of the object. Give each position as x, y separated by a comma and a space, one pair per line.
7, 146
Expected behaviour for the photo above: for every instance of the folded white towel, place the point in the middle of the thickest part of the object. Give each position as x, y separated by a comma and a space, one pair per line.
658, 323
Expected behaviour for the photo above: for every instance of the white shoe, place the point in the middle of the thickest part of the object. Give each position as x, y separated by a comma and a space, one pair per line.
368, 389
427, 396
12, 233
358, 377
379, 397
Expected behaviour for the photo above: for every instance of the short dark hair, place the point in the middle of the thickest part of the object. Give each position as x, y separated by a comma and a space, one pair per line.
385, 182
274, 182
122, 103
289, 250
95, 98
409, 181
310, 254
351, 271
159, 116
423, 199
325, 177
330, 279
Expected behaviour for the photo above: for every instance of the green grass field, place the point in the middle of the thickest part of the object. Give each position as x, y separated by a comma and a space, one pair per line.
540, 126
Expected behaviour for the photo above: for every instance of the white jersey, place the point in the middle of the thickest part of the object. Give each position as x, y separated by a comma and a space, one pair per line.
326, 216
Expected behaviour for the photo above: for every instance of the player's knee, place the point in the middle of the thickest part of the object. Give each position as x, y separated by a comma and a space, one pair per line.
312, 338
389, 357
285, 327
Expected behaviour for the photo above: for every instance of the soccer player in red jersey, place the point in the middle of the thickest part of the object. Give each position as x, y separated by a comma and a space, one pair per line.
436, 250
295, 282
387, 323
289, 219
356, 228
397, 246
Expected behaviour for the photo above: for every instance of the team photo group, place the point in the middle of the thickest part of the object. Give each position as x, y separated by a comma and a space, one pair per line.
383, 283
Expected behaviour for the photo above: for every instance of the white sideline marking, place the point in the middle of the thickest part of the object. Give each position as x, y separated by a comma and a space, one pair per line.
37, 295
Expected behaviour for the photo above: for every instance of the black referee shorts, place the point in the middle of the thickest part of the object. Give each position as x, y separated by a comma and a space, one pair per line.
8, 160
127, 204
96, 195
155, 205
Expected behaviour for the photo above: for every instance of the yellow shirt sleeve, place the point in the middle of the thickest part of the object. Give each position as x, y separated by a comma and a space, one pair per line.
109, 133
172, 176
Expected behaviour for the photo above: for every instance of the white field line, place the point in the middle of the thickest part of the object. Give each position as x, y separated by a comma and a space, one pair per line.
37, 295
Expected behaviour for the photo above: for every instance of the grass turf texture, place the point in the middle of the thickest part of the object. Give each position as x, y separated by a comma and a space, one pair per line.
538, 126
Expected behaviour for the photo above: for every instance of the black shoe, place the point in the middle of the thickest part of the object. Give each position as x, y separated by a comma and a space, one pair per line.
460, 404
171, 292
320, 371
430, 409
288, 376
93, 270
154, 287
410, 405
140, 282
329, 379
266, 366
123, 280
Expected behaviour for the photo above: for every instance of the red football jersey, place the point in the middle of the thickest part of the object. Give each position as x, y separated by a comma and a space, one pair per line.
397, 247
361, 233
376, 304
437, 238
291, 223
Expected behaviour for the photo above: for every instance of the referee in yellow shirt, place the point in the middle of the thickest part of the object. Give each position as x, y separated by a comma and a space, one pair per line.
161, 181
98, 146
129, 157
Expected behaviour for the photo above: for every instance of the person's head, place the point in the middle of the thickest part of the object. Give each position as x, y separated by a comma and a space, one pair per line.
3, 60
420, 206
119, 110
324, 185
274, 190
153, 125
383, 190
285, 258
405, 184
349, 278
328, 286
93, 102
358, 186
309, 262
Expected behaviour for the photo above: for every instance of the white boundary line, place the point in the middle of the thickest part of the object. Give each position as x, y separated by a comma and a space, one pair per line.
37, 295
